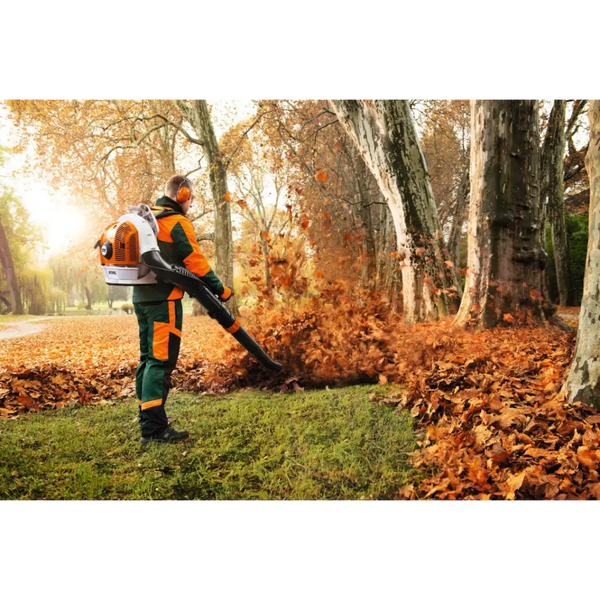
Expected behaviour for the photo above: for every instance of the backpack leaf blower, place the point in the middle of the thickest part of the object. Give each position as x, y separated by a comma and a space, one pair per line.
130, 255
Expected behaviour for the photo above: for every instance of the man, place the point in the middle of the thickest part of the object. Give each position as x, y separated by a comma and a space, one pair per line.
159, 312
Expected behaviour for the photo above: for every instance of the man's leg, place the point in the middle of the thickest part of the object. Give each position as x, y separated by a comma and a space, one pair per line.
143, 327
164, 339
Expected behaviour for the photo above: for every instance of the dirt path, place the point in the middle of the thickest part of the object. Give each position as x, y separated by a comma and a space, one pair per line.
21, 328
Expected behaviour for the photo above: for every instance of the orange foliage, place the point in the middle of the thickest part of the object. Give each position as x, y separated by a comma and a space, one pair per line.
92, 148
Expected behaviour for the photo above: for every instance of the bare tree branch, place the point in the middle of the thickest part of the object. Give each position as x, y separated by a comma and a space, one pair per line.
178, 127
578, 107
577, 168
244, 136
183, 108
205, 237
194, 170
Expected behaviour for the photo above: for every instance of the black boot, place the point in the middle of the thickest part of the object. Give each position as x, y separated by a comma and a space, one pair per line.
169, 435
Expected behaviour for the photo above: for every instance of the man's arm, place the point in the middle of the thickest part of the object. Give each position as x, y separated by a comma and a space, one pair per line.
187, 247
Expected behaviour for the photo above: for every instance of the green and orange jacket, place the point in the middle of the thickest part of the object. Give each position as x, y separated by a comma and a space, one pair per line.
178, 245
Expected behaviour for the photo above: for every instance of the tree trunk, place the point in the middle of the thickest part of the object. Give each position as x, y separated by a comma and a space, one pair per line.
556, 210
202, 123
361, 174
9, 271
583, 380
381, 236
562, 260
197, 309
7, 303
265, 252
369, 272
505, 257
385, 134
88, 295
462, 195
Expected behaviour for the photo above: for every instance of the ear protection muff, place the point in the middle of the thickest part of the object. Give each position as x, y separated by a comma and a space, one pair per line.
183, 192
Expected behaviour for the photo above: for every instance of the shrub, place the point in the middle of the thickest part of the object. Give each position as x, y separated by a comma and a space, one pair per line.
127, 308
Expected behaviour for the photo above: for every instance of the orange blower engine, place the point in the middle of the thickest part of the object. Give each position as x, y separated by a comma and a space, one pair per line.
129, 255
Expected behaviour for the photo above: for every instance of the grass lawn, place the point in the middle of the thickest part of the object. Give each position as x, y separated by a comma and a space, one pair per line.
10, 317
246, 445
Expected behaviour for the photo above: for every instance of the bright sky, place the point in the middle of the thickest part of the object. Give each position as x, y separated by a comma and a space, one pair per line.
56, 213
53, 212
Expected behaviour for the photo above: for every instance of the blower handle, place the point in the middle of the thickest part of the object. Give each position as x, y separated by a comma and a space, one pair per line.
196, 288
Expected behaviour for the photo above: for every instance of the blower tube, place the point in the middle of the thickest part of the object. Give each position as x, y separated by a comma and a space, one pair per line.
196, 288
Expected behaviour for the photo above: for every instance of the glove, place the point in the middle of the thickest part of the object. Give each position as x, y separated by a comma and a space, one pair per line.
227, 293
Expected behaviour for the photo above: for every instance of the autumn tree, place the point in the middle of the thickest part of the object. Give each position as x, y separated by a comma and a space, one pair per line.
10, 273
583, 380
445, 142
92, 286
75, 275
8, 203
36, 282
552, 187
108, 153
336, 199
385, 133
65, 271
266, 220
197, 114
116, 292
118, 153
17, 239
505, 255
576, 180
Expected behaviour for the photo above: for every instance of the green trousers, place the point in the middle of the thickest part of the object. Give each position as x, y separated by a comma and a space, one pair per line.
160, 337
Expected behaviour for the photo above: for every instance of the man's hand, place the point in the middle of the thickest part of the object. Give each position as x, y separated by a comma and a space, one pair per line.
227, 293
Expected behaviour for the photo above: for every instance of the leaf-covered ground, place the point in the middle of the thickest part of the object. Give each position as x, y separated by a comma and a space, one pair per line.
487, 403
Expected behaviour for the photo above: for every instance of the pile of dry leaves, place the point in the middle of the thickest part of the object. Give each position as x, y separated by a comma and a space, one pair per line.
492, 423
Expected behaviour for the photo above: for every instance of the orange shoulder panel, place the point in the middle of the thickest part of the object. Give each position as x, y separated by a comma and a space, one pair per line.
165, 225
196, 262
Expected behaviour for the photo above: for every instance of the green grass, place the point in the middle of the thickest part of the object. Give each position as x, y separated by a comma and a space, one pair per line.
246, 445
83, 313
10, 317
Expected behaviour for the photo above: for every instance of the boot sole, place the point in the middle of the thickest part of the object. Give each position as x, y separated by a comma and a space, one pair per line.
153, 441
